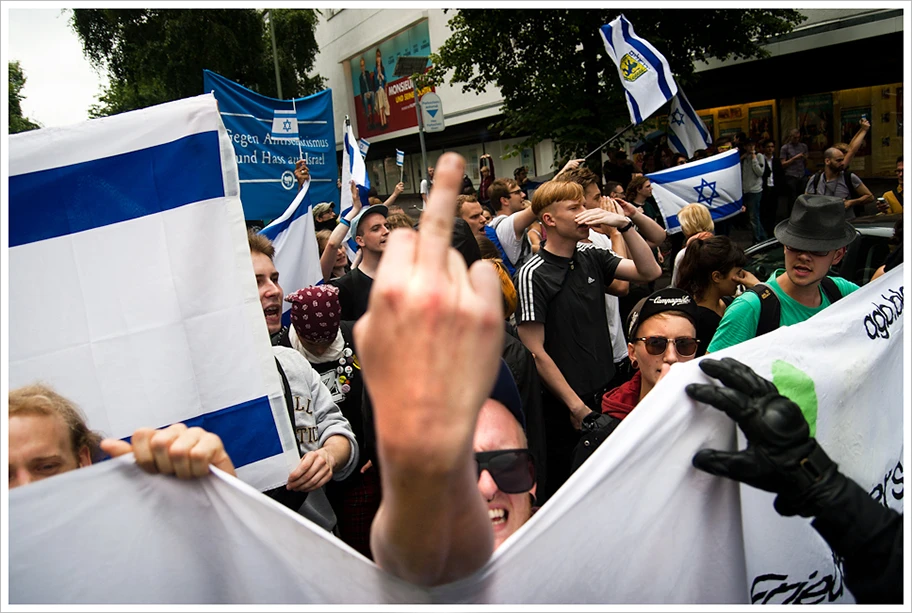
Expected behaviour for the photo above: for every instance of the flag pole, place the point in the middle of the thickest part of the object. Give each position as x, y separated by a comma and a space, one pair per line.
609, 140
295, 107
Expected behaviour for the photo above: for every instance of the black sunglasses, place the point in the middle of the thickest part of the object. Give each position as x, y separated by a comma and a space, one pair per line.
656, 345
513, 470
819, 254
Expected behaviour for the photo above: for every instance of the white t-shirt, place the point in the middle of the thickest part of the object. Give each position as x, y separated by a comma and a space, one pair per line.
512, 246
424, 187
612, 305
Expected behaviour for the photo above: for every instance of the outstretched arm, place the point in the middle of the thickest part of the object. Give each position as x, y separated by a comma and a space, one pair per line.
432, 526
400, 187
857, 141
328, 257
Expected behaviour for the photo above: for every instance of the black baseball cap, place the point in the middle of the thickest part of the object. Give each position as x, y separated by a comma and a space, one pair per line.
667, 299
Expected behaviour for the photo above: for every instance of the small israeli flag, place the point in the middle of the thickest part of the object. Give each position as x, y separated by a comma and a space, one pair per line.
644, 71
400, 157
714, 182
363, 145
688, 132
284, 124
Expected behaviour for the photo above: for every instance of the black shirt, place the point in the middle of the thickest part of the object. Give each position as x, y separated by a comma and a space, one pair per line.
568, 296
354, 290
707, 323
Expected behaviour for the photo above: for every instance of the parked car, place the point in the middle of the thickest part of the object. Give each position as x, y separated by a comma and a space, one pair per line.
865, 254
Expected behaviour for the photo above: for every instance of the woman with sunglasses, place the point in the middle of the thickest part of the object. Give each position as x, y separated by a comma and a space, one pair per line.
711, 271
661, 331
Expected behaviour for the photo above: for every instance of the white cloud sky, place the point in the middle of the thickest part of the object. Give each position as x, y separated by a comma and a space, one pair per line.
60, 83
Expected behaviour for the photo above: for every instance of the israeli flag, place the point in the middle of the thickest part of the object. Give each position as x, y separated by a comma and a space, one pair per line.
714, 182
400, 157
353, 168
688, 132
136, 296
284, 124
297, 255
363, 145
644, 71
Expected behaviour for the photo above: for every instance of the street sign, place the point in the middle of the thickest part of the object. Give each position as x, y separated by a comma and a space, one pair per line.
432, 113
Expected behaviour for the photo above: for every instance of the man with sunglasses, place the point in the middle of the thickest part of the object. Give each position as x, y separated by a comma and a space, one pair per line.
814, 238
506, 467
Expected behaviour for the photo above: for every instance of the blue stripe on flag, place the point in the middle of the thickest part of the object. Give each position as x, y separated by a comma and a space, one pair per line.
304, 208
676, 142
110, 190
606, 32
247, 429
689, 111
716, 212
648, 54
633, 105
712, 165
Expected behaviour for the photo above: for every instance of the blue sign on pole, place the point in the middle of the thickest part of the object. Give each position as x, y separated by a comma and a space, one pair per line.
266, 134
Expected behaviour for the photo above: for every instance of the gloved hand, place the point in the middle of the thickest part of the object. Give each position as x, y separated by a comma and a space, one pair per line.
780, 457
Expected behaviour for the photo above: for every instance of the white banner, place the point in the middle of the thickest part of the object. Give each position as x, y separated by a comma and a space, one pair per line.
135, 295
636, 524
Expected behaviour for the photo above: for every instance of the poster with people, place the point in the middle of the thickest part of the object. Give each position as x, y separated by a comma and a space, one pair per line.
760, 120
815, 120
709, 122
385, 102
851, 122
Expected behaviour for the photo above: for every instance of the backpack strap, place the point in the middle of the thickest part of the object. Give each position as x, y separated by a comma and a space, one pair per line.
830, 289
847, 177
289, 498
491, 233
770, 308
816, 180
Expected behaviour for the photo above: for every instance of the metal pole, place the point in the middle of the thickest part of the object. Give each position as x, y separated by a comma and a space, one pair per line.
275, 57
609, 140
421, 138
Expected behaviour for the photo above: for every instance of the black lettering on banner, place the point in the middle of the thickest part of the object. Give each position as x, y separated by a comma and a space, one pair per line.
877, 324
770, 588
892, 485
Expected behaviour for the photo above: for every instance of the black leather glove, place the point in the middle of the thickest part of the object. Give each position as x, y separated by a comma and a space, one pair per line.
780, 457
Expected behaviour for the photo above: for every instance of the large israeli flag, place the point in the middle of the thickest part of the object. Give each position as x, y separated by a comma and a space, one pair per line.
134, 290
644, 71
714, 182
688, 132
297, 256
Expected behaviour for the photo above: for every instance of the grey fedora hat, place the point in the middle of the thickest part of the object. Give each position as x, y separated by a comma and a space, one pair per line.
817, 223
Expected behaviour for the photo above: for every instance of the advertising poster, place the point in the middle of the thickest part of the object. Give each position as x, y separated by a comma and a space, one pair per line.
815, 120
761, 122
851, 119
709, 122
730, 130
385, 102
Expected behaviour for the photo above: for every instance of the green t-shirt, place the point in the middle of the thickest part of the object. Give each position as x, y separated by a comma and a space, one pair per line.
742, 316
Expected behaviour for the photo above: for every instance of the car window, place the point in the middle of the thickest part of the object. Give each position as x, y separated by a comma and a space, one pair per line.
764, 263
864, 256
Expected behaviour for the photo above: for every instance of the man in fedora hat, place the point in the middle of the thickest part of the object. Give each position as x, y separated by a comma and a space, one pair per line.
814, 238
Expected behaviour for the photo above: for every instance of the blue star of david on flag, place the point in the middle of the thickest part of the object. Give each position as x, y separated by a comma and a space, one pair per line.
701, 195
284, 124
677, 117
716, 181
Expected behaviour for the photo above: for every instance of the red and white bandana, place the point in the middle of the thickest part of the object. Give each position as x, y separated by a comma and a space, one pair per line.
316, 312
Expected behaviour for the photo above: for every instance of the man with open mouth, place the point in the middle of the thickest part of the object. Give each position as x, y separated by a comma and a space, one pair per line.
814, 238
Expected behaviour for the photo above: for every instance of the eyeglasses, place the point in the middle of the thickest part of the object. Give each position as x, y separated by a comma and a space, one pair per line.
513, 470
516, 191
656, 345
818, 254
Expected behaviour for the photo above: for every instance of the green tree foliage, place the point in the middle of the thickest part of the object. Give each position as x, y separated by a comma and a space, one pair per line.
157, 55
555, 76
17, 123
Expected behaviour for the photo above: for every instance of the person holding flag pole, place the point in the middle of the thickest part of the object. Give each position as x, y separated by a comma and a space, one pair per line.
400, 162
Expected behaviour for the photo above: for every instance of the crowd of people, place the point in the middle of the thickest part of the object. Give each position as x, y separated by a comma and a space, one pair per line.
440, 396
